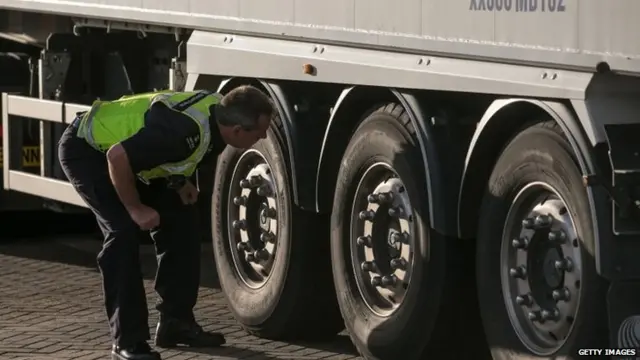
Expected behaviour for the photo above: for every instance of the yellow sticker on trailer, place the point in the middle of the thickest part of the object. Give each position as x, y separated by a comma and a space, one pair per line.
30, 156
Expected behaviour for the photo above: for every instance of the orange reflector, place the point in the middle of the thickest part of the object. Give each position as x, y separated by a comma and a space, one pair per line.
309, 69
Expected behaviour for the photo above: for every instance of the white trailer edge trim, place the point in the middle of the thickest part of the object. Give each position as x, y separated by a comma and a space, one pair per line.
284, 60
44, 110
181, 16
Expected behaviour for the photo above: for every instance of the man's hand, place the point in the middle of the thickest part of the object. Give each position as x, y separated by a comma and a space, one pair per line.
147, 218
188, 193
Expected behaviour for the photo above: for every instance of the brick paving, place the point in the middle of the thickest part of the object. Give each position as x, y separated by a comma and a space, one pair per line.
51, 308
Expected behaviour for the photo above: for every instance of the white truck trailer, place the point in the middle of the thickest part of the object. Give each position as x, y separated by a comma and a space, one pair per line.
440, 171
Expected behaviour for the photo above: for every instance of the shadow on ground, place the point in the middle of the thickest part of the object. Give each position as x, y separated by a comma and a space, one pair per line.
229, 351
44, 238
80, 248
25, 225
341, 344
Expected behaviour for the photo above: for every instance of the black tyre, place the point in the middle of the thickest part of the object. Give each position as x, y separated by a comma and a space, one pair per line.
272, 258
389, 266
540, 296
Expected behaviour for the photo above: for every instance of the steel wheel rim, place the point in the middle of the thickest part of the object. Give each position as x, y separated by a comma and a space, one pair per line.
541, 268
252, 219
381, 241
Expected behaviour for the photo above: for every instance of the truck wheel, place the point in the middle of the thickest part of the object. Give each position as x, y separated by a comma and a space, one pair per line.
272, 258
540, 295
388, 266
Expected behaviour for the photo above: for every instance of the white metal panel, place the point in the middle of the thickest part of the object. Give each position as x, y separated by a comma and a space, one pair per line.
582, 34
387, 16
70, 111
611, 27
44, 110
177, 6
273, 10
550, 30
280, 59
445, 20
333, 13
47, 110
224, 7
43, 187
5, 140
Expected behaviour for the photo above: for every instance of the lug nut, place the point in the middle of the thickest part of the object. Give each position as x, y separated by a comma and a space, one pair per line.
366, 215
250, 257
521, 243
376, 281
261, 254
396, 212
270, 213
561, 294
264, 190
558, 236
553, 315
534, 315
364, 241
245, 184
243, 246
256, 180
519, 272
239, 224
385, 198
389, 280
398, 264
528, 223
543, 221
399, 238
240, 200
524, 300
267, 237
368, 266
564, 265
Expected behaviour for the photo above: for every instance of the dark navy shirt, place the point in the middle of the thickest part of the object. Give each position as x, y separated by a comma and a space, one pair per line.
167, 137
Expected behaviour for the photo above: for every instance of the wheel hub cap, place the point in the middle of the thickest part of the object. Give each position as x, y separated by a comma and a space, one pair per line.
381, 251
552, 276
541, 264
265, 219
253, 219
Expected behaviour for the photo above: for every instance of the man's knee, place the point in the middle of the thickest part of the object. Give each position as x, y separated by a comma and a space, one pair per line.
120, 247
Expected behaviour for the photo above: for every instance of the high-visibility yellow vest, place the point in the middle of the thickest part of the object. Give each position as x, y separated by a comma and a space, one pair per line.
110, 122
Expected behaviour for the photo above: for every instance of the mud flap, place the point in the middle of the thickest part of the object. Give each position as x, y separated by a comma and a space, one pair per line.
623, 300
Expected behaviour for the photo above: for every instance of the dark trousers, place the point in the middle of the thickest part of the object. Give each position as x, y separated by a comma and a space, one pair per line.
177, 244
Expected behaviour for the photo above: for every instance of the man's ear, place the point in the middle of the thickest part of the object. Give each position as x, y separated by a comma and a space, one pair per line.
237, 129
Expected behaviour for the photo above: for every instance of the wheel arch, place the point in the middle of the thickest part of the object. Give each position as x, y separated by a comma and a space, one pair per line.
504, 119
349, 110
287, 120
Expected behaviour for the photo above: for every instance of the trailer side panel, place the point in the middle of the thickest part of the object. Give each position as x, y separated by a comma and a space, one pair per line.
564, 33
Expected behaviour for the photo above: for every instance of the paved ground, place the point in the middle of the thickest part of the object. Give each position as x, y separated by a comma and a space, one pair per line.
50, 308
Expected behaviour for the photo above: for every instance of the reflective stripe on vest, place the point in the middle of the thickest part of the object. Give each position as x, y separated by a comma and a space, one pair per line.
198, 110
205, 131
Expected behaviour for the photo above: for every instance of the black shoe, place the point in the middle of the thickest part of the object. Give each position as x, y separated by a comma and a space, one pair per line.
140, 351
173, 332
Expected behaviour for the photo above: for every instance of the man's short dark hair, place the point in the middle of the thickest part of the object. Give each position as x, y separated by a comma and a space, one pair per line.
243, 106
